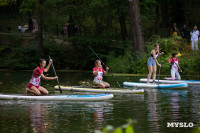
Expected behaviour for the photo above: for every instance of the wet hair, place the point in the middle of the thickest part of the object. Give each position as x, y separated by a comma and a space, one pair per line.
41, 60
156, 45
174, 54
96, 62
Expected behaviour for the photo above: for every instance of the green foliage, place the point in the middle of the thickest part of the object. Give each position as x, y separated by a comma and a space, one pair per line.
128, 127
27, 6
135, 62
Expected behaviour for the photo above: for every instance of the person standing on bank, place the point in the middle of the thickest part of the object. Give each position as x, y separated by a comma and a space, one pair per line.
185, 33
174, 31
194, 38
151, 63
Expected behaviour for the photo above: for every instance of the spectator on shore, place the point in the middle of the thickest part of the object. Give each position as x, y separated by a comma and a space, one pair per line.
76, 29
65, 30
25, 27
34, 23
30, 24
194, 38
19, 28
185, 33
174, 31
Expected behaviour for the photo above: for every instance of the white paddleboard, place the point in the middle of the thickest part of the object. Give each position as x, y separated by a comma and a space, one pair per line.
100, 90
160, 86
190, 82
58, 97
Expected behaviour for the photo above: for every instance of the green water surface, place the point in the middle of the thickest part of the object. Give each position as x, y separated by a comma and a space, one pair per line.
151, 110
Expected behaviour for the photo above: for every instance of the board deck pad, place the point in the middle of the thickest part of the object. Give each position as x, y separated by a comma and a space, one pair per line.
57, 97
190, 82
101, 90
161, 86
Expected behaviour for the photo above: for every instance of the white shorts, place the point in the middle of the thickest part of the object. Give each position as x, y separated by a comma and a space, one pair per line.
175, 73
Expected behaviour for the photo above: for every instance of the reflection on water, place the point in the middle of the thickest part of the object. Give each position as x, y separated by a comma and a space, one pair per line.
153, 114
152, 110
39, 119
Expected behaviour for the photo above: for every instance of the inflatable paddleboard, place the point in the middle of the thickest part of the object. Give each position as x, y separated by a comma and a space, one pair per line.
160, 86
58, 97
190, 82
100, 90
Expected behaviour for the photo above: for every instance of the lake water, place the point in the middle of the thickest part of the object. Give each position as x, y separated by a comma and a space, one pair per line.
151, 110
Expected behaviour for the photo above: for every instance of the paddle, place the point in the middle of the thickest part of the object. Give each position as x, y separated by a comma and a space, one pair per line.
105, 66
160, 69
176, 64
56, 75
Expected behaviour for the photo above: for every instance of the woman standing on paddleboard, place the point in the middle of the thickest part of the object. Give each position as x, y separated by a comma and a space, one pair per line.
151, 63
34, 84
173, 59
98, 72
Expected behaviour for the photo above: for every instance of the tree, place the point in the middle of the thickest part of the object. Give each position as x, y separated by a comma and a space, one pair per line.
157, 23
136, 30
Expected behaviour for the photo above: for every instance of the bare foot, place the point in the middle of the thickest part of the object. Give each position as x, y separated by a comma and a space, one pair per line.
154, 83
26, 92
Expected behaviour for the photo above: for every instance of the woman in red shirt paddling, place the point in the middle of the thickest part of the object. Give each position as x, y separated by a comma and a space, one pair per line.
98, 72
34, 84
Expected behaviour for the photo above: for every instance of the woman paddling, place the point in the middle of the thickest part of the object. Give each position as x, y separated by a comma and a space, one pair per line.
151, 63
173, 59
98, 72
34, 84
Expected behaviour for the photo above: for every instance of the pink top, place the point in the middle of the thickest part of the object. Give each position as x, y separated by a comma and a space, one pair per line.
174, 63
35, 80
99, 76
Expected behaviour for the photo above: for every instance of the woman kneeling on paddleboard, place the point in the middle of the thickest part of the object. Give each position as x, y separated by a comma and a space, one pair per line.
151, 63
33, 86
173, 59
98, 72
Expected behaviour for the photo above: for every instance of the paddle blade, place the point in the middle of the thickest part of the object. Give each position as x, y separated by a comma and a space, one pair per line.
60, 89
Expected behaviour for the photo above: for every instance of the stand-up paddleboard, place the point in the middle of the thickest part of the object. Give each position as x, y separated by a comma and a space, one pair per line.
58, 97
190, 82
160, 86
100, 90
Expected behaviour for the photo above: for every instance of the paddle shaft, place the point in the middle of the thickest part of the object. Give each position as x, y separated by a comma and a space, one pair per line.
176, 64
105, 66
56, 75
159, 69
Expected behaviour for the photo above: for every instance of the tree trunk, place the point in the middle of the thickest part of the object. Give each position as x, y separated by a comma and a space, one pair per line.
122, 22
40, 25
157, 23
135, 26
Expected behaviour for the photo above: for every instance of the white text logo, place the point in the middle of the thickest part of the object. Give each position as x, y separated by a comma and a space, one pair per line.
179, 124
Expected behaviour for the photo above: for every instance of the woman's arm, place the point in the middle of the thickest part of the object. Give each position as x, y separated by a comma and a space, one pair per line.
154, 56
169, 61
47, 78
160, 53
47, 68
96, 72
106, 72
